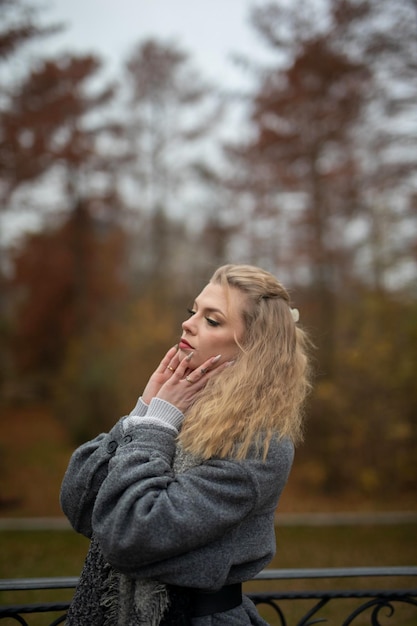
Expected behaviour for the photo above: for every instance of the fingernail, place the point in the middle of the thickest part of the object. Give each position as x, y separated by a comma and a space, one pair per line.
216, 358
229, 363
188, 358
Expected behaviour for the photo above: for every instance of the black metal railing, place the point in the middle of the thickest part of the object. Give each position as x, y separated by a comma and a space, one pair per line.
365, 606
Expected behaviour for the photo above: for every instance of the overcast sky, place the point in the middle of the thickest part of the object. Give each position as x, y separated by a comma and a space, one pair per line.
209, 30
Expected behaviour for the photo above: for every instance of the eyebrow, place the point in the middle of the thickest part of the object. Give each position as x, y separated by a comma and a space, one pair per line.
209, 309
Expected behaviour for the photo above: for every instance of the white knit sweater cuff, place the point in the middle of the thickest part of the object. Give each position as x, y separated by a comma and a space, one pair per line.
159, 412
140, 408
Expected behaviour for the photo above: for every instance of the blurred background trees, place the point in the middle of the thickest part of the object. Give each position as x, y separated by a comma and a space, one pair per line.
133, 195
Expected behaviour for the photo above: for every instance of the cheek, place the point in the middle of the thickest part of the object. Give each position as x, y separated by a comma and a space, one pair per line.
229, 347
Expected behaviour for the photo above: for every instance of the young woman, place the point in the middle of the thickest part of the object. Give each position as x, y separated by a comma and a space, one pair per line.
179, 497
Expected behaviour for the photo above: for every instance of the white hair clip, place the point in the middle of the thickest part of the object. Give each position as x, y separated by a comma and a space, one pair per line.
295, 314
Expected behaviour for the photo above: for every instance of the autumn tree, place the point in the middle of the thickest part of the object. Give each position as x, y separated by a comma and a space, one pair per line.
301, 163
47, 124
362, 438
316, 122
328, 174
170, 112
385, 39
48, 132
20, 25
50, 308
59, 160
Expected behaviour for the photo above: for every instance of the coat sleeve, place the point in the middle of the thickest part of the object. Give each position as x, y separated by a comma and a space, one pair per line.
85, 473
144, 513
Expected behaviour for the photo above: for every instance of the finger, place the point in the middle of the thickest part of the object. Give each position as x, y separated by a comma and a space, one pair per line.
198, 373
173, 364
167, 359
183, 366
208, 366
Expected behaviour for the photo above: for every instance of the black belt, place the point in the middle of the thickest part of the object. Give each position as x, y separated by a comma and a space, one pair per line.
209, 602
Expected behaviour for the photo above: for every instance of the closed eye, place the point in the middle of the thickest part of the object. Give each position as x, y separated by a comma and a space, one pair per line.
209, 320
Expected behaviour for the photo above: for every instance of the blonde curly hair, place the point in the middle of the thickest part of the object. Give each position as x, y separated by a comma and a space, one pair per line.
263, 393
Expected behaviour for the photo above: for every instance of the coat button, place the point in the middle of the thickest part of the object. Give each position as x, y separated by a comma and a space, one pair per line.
111, 447
127, 438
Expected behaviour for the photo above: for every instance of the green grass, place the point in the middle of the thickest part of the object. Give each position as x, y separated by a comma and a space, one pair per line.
26, 554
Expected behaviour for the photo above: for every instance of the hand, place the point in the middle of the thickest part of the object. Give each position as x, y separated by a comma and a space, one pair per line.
184, 384
161, 374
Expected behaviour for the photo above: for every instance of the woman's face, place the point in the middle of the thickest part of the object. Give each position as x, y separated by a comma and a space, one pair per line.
214, 324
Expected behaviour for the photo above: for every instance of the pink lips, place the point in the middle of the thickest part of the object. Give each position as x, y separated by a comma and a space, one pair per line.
184, 345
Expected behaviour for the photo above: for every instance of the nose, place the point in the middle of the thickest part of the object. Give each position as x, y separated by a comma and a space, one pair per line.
188, 326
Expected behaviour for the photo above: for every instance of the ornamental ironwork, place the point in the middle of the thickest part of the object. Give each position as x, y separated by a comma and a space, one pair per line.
374, 606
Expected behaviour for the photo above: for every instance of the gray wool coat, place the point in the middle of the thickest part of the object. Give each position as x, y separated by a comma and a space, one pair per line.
209, 526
